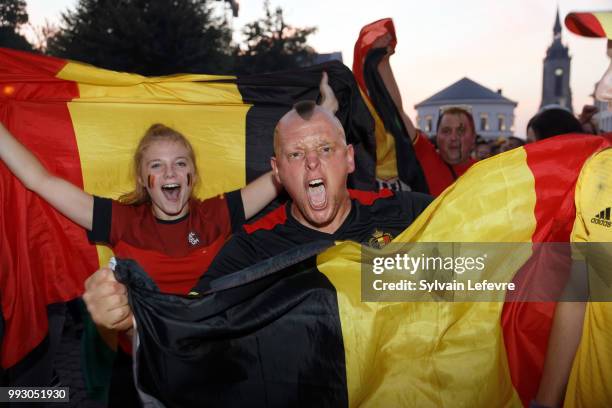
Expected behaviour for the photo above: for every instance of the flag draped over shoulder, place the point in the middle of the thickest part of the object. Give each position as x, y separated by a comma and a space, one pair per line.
395, 155
83, 124
525, 195
272, 335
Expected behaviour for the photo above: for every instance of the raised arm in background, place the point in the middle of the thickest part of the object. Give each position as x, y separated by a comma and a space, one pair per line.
386, 74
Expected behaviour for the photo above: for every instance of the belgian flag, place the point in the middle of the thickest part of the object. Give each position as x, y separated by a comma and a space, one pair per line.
83, 124
300, 335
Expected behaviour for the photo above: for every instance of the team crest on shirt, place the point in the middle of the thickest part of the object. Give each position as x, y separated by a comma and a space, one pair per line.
193, 238
380, 239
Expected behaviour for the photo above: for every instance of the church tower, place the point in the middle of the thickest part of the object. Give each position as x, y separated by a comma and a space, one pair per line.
556, 79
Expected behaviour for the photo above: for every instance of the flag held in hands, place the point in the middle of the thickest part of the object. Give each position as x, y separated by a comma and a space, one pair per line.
273, 335
83, 123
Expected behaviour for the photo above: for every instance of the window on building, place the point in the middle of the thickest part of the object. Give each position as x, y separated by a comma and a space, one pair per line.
484, 121
501, 123
428, 124
558, 82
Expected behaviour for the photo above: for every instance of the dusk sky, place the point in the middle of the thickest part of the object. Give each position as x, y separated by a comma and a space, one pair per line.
499, 44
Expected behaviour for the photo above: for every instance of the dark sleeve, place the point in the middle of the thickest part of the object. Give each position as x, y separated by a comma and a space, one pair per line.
236, 209
237, 253
415, 203
101, 222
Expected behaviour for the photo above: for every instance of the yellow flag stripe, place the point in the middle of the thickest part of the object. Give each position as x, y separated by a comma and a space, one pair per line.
436, 354
114, 110
605, 19
386, 162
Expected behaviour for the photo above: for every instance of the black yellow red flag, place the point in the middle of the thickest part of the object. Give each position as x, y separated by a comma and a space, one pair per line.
277, 335
83, 124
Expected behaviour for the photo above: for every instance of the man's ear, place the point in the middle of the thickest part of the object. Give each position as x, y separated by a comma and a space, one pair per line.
275, 169
350, 158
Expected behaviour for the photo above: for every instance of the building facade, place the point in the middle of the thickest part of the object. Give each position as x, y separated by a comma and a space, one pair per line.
493, 113
556, 73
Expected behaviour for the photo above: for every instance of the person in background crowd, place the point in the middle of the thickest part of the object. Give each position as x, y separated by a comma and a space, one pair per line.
588, 119
551, 122
512, 143
482, 150
455, 134
496, 145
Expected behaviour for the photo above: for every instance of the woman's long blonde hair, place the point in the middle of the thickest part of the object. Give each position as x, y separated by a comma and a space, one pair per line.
155, 133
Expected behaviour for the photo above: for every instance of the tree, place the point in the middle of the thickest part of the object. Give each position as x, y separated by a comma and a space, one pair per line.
273, 45
13, 15
41, 35
150, 37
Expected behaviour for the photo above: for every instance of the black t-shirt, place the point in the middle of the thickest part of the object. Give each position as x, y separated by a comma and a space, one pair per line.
375, 219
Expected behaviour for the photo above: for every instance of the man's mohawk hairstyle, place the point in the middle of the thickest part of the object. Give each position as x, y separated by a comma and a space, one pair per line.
305, 108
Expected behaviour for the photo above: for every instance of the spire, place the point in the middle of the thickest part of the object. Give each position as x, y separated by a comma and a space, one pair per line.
557, 28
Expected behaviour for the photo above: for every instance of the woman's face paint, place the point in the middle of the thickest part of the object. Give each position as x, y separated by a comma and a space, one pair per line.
165, 163
189, 179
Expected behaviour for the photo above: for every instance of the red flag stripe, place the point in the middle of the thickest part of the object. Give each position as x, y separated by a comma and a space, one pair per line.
585, 24
367, 36
44, 249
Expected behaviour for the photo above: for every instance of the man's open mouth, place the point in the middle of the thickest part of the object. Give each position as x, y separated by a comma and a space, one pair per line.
171, 191
317, 196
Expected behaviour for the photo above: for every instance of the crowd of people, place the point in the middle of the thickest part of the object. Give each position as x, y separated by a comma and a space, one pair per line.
160, 223
550, 121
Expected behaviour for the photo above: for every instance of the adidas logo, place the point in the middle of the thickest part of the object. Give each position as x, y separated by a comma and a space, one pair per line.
603, 218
